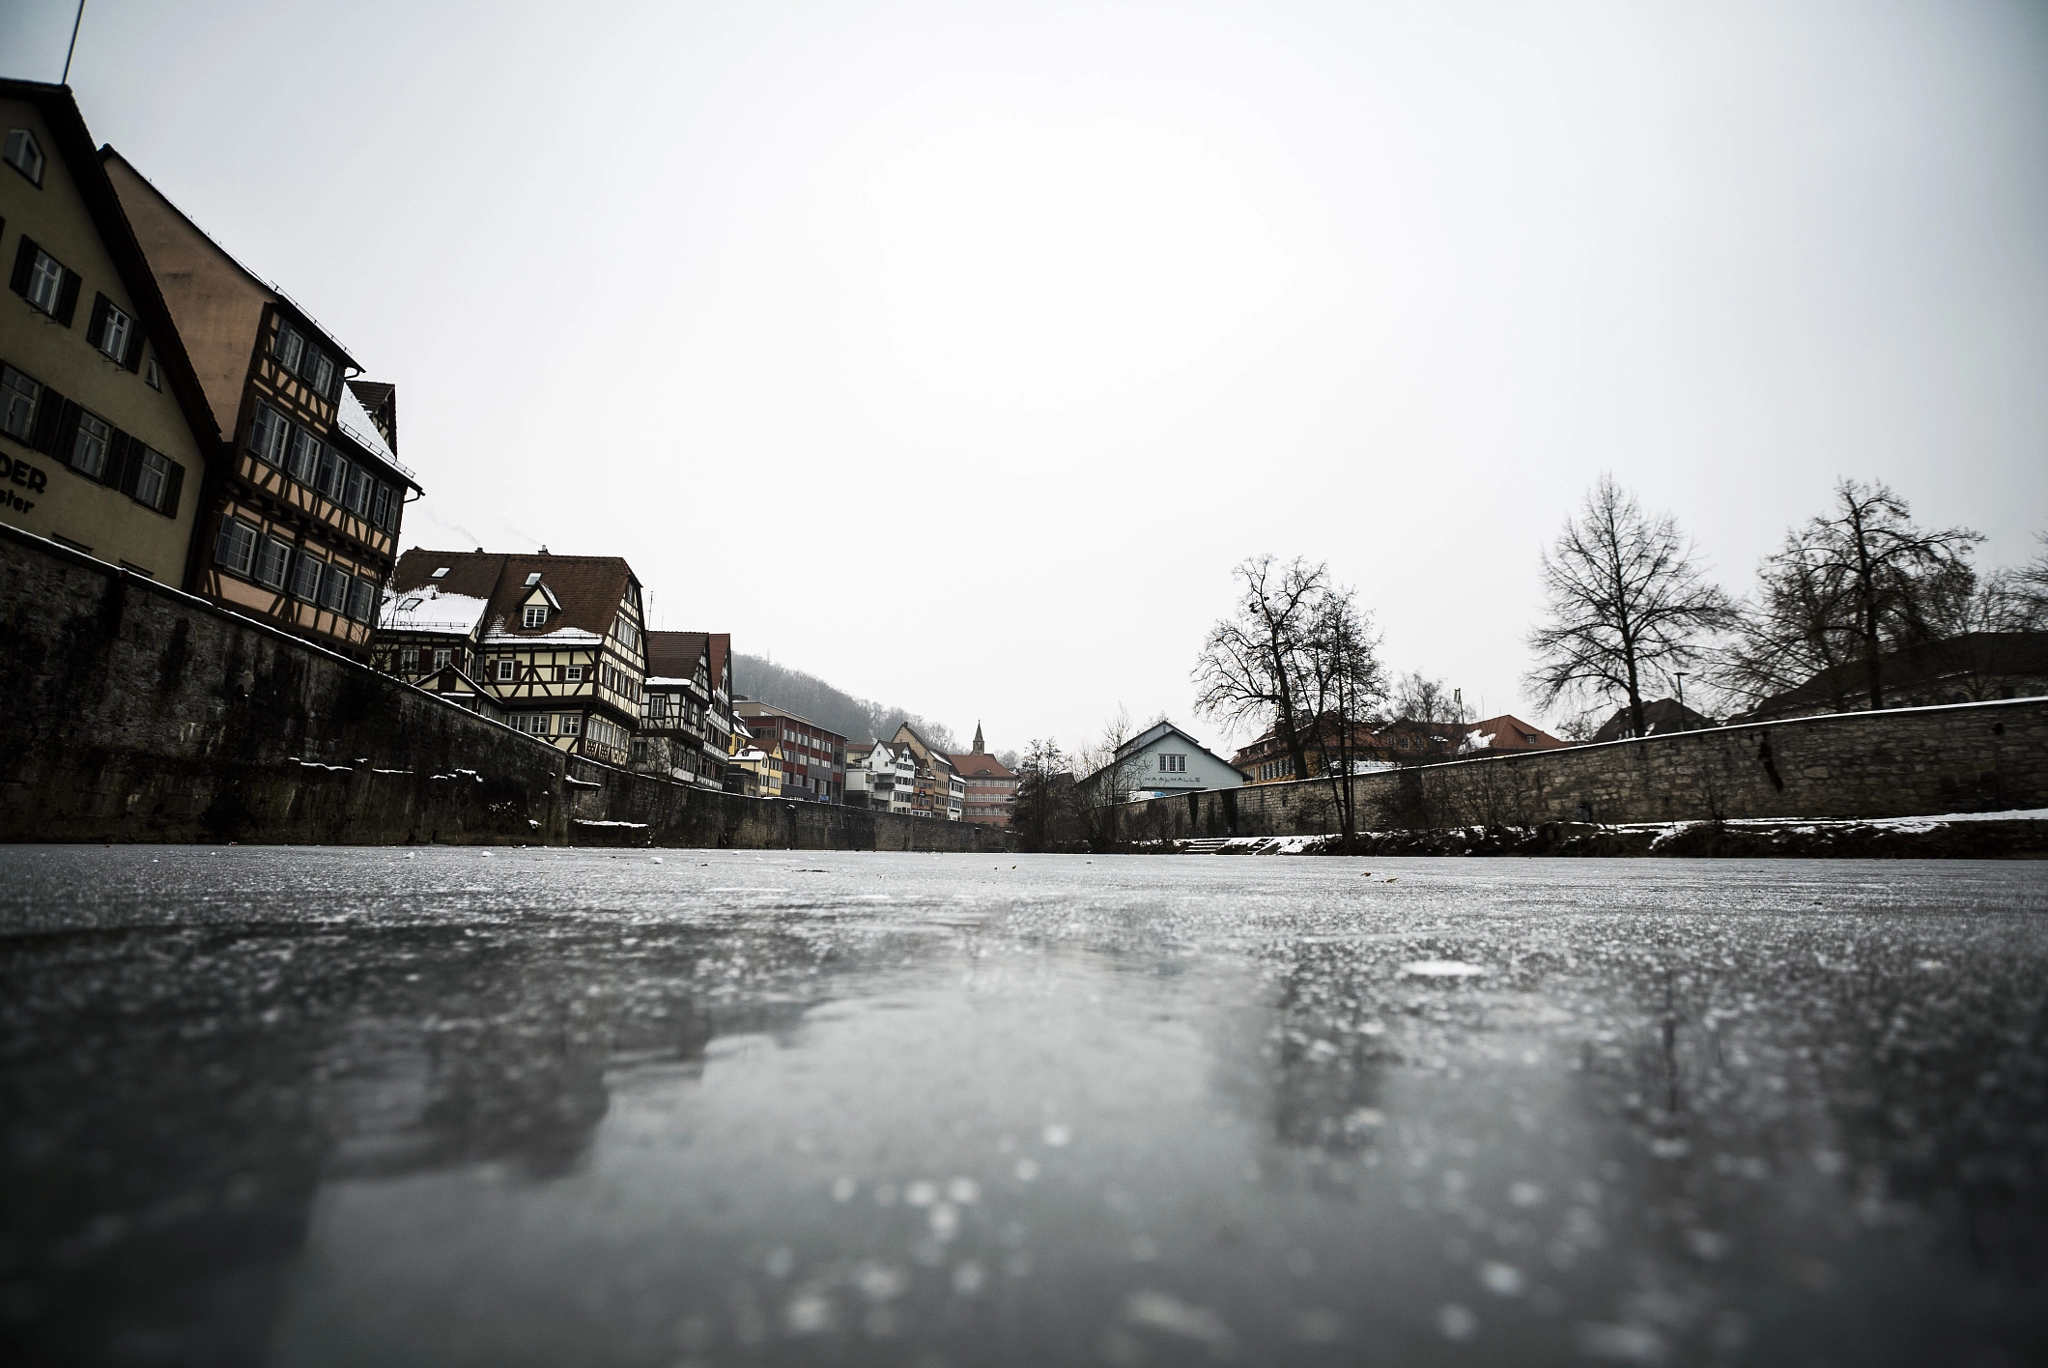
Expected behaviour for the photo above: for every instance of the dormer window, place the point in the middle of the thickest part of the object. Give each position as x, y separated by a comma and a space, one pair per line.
536, 615
25, 154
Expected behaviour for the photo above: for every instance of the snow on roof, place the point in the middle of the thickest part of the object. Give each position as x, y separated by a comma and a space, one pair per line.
430, 610
498, 634
352, 418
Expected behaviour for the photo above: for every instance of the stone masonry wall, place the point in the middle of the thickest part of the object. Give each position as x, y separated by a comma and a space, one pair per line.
132, 712
1906, 762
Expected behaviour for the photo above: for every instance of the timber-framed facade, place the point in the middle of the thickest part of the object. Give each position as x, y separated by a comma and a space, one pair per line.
302, 530
559, 642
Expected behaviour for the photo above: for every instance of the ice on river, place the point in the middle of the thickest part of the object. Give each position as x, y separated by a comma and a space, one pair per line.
341, 1106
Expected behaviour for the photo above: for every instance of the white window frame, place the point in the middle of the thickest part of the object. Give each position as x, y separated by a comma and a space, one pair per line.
273, 563
25, 154
19, 396
307, 573
508, 670
115, 333
571, 725
89, 447
289, 347
234, 550
46, 282
444, 656
152, 478
533, 615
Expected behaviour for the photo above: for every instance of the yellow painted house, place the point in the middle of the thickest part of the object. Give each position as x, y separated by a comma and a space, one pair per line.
106, 438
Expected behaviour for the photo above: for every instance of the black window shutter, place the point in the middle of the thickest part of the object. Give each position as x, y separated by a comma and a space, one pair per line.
133, 360
24, 262
96, 327
131, 468
49, 417
174, 484
67, 433
115, 471
67, 299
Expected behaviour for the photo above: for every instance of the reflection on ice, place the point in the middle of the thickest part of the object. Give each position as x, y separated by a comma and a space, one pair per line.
566, 1107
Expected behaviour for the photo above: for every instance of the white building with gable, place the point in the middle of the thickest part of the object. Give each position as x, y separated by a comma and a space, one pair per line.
1163, 759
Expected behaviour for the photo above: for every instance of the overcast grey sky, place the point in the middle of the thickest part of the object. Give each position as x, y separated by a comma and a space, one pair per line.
955, 352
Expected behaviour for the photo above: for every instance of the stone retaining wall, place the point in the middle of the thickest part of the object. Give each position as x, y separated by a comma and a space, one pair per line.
1905, 762
132, 712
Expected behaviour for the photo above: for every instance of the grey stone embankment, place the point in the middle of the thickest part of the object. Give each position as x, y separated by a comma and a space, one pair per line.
1907, 762
134, 712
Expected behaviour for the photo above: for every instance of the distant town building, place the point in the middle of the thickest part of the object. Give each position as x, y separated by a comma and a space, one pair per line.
1975, 667
1269, 761
881, 777
1506, 733
940, 791
105, 429
1660, 717
302, 529
558, 642
813, 757
676, 737
989, 787
1160, 760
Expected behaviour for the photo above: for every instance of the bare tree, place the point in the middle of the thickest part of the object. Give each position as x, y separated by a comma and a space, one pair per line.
1044, 815
1347, 687
1112, 769
1628, 602
1417, 698
1885, 569
1793, 628
2030, 587
1254, 666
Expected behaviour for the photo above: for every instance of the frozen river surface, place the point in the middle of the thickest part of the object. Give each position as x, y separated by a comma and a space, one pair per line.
580, 1108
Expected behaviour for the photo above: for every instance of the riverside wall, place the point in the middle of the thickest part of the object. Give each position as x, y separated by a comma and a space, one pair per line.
130, 711
1905, 762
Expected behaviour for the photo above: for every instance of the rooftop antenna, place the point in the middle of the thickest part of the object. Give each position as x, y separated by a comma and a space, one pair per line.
66, 78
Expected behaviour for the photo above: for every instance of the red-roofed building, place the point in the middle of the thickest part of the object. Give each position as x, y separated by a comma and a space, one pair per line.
991, 785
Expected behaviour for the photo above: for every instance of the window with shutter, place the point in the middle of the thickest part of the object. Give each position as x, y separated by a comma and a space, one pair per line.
96, 325
334, 589
119, 335
306, 572
235, 550
362, 600
90, 444
46, 283
25, 254
152, 477
289, 346
273, 559
18, 396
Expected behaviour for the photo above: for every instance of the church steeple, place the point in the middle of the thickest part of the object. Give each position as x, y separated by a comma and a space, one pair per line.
977, 736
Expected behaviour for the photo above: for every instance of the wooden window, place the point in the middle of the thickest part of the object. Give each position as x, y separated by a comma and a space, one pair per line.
18, 396
25, 154
89, 446
333, 473
575, 673
306, 572
44, 282
235, 549
289, 347
506, 667
358, 493
408, 660
572, 724
442, 656
114, 333
362, 600
269, 434
152, 479
273, 562
536, 615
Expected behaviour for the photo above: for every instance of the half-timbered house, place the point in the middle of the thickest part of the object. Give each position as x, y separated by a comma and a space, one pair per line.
559, 641
301, 529
675, 726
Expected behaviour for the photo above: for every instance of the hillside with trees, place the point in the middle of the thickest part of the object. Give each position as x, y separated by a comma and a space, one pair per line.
857, 719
